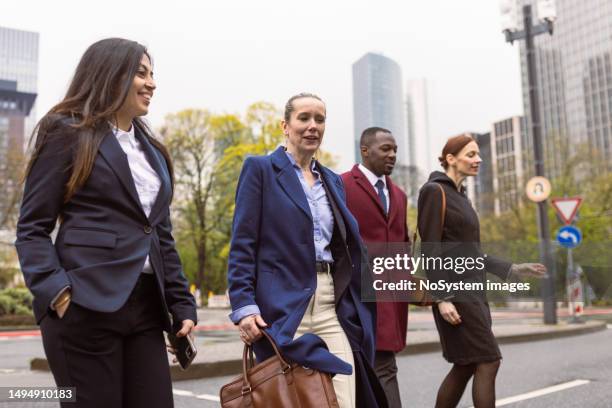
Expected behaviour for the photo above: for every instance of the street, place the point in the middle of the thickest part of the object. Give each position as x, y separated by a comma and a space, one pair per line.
526, 367
529, 367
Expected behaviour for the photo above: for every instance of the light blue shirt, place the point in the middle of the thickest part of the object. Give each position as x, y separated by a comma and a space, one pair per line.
320, 209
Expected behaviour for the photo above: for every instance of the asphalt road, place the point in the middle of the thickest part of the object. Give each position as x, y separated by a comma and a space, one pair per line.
527, 367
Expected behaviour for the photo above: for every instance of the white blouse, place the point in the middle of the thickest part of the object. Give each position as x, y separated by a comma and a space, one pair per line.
146, 180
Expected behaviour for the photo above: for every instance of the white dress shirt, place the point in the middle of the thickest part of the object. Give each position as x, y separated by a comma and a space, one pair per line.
146, 180
373, 178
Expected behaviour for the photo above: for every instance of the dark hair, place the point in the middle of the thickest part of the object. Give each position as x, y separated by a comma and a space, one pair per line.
368, 135
289, 105
99, 87
453, 146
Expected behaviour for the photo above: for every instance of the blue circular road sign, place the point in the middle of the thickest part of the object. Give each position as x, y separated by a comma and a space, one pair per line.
569, 236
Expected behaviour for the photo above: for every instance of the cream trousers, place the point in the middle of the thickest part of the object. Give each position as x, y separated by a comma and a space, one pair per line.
320, 318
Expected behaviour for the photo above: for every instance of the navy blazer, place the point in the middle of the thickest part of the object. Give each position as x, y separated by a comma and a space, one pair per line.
104, 235
272, 263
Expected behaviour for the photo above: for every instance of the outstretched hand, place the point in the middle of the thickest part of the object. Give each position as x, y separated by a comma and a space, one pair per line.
526, 270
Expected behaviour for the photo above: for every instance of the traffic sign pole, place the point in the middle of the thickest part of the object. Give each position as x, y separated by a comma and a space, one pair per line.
572, 302
538, 190
570, 237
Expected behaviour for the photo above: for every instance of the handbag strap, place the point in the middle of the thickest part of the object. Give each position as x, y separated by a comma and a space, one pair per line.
442, 217
248, 350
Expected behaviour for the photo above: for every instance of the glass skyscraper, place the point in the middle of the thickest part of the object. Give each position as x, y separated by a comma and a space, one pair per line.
574, 75
378, 100
419, 140
508, 155
19, 64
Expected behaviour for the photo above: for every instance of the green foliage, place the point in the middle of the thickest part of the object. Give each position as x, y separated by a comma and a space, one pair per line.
584, 175
21, 295
208, 151
7, 305
15, 301
9, 266
11, 173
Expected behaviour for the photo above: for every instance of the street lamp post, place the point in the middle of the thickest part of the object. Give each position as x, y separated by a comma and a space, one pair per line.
529, 31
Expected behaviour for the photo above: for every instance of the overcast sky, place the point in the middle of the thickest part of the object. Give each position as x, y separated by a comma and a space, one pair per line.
224, 55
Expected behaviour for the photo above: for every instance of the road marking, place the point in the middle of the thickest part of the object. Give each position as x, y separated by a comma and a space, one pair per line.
207, 397
182, 393
540, 392
19, 338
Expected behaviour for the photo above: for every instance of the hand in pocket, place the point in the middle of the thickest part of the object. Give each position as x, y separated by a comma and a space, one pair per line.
61, 309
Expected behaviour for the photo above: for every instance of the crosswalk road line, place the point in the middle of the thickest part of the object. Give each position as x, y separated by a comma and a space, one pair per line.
182, 393
498, 403
208, 397
540, 392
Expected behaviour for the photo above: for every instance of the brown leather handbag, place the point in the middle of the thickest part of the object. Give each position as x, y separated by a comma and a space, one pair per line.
276, 383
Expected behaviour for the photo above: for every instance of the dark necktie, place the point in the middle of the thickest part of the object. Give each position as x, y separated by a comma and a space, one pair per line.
380, 186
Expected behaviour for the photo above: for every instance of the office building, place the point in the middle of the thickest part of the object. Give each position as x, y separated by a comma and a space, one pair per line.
510, 158
574, 76
18, 82
378, 100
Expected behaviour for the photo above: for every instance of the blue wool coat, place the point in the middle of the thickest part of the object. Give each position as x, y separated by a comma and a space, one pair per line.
272, 268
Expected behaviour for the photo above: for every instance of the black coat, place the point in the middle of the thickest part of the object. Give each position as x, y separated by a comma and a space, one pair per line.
458, 235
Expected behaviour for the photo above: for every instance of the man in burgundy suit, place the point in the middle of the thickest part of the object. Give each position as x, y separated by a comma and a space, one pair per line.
380, 209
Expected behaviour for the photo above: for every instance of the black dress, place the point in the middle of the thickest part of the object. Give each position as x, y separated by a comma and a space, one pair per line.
458, 235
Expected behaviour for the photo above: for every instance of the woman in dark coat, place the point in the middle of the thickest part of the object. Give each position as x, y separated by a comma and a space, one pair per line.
295, 261
103, 289
463, 318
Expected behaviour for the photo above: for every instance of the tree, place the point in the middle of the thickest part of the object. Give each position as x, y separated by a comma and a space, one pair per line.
208, 151
11, 173
262, 136
583, 175
196, 141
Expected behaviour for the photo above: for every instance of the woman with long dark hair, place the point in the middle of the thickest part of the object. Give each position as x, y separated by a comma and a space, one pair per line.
103, 291
449, 227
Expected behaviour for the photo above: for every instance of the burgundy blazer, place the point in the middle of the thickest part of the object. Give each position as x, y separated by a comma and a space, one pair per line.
363, 201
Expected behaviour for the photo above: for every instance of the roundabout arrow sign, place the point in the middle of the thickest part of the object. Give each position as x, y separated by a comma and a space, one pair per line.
569, 236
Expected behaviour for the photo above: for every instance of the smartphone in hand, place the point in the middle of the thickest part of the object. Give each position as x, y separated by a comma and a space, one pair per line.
185, 349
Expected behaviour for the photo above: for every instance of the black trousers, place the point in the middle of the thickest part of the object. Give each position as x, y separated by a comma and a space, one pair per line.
117, 359
386, 370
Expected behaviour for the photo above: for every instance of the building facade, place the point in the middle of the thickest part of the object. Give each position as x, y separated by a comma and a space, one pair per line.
574, 76
378, 100
509, 158
19, 63
419, 138
18, 83
480, 188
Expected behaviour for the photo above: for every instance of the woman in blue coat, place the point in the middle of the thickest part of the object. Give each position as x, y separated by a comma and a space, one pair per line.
295, 261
